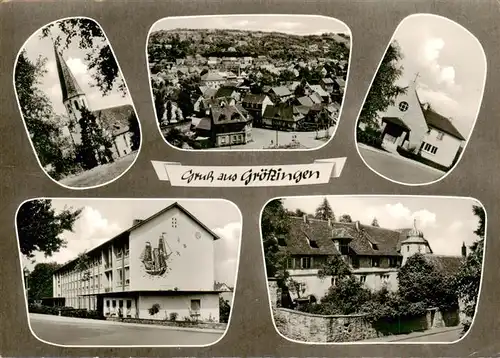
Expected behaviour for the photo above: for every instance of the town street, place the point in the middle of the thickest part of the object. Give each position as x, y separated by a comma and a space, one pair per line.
262, 137
78, 331
398, 168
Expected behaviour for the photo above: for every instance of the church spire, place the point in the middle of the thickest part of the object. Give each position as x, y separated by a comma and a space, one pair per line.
69, 85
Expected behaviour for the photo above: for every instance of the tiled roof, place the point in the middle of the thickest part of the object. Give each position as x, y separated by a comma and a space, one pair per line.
282, 111
116, 118
254, 98
449, 265
225, 92
305, 101
281, 91
364, 239
437, 121
227, 114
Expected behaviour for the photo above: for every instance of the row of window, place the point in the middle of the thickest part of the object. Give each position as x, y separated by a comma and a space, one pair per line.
315, 262
429, 148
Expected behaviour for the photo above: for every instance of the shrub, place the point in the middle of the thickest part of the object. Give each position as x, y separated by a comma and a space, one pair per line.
173, 316
224, 310
369, 137
154, 309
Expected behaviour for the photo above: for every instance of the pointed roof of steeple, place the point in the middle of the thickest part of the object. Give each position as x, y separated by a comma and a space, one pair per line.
69, 85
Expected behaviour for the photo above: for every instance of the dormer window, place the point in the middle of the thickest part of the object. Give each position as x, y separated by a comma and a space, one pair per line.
374, 246
281, 240
312, 243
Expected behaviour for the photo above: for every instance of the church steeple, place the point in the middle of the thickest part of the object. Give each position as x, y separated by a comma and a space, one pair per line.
69, 85
73, 97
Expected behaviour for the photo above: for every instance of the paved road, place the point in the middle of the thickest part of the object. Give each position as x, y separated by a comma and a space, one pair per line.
445, 335
398, 168
262, 138
82, 332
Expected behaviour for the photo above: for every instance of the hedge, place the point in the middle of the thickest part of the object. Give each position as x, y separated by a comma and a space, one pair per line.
369, 139
65, 311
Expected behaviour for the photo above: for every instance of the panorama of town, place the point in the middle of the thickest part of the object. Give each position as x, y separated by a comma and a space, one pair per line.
235, 89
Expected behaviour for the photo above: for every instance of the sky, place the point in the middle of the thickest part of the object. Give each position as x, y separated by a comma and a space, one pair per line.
451, 65
445, 222
297, 25
101, 220
75, 59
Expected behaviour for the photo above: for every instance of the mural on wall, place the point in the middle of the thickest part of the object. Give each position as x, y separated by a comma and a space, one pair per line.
155, 260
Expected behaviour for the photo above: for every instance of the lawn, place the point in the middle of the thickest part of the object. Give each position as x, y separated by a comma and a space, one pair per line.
101, 174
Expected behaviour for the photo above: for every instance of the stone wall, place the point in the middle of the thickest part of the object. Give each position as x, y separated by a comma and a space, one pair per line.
308, 327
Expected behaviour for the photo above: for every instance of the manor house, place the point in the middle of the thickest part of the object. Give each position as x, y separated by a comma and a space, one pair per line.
373, 254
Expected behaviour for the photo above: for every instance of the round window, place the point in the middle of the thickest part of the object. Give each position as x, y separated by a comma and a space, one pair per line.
403, 106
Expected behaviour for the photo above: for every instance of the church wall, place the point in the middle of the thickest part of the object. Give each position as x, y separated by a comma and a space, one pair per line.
447, 148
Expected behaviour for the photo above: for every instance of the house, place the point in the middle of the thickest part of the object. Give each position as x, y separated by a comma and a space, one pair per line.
212, 79
225, 125
327, 84
255, 105
318, 92
280, 93
416, 127
283, 117
374, 255
227, 93
150, 263
114, 121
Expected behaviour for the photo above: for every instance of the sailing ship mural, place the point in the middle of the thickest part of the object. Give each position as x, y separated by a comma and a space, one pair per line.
155, 260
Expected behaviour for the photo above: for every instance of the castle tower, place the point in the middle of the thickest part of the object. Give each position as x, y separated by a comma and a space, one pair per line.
72, 95
414, 243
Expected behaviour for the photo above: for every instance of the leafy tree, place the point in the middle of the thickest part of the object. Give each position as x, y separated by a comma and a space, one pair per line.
274, 223
40, 227
346, 297
421, 282
169, 111
39, 115
83, 265
334, 267
99, 57
346, 218
299, 213
159, 103
324, 211
95, 148
375, 222
133, 124
224, 310
383, 91
40, 281
468, 279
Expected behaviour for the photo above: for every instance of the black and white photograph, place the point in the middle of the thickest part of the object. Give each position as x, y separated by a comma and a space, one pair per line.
256, 82
373, 269
129, 272
75, 104
423, 102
